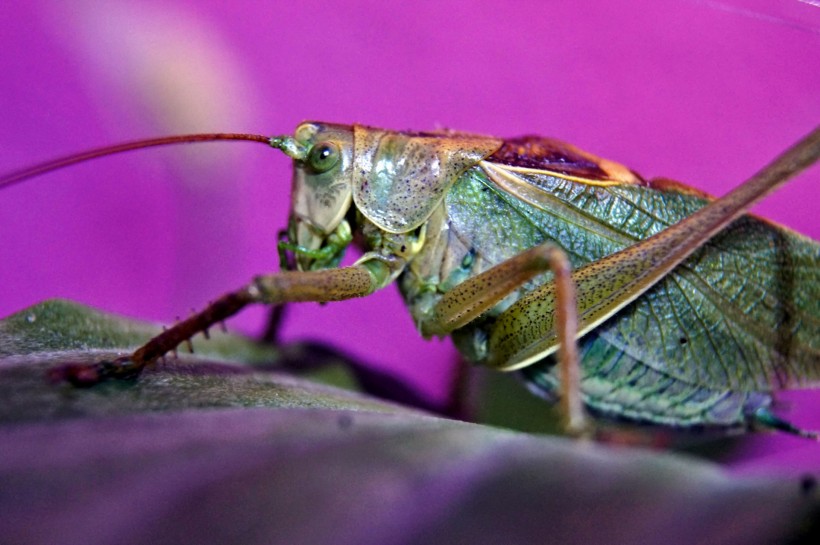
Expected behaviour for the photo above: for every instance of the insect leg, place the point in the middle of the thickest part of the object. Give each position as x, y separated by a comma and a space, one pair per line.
289, 286
474, 296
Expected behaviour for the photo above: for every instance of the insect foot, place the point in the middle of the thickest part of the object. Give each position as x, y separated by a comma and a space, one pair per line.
86, 375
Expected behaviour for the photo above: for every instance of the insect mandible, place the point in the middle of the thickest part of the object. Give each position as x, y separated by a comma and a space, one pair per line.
687, 313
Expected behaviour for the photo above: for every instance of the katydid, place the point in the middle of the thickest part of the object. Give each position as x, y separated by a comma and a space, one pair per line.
688, 312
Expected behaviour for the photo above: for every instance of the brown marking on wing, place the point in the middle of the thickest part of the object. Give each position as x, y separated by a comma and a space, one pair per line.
538, 152
665, 184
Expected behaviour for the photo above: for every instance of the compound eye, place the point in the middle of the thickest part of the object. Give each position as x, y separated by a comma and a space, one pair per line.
323, 156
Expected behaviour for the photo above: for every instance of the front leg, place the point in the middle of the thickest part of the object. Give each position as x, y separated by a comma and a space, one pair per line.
285, 287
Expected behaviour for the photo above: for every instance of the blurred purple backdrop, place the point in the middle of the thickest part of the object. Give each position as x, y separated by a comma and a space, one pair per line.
701, 91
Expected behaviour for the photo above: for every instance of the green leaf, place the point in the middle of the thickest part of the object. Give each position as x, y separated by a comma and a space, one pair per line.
222, 372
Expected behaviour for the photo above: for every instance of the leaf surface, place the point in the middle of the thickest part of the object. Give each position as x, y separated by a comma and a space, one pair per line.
209, 450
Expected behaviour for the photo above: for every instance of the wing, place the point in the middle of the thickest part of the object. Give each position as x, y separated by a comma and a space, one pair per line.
725, 326
738, 315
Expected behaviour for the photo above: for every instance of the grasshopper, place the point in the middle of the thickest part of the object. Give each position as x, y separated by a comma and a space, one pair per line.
688, 312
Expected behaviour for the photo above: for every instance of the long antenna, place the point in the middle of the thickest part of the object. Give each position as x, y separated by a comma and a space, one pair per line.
55, 164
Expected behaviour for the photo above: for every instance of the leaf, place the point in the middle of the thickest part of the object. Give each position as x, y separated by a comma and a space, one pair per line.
222, 373
58, 326
210, 450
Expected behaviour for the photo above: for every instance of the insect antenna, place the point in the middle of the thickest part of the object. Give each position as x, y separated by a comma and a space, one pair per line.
68, 160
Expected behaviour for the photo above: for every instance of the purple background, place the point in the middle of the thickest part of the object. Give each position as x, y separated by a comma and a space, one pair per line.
704, 92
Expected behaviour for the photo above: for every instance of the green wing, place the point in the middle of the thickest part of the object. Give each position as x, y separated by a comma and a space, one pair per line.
738, 316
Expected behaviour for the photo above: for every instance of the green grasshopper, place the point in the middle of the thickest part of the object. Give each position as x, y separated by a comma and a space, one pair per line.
687, 313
